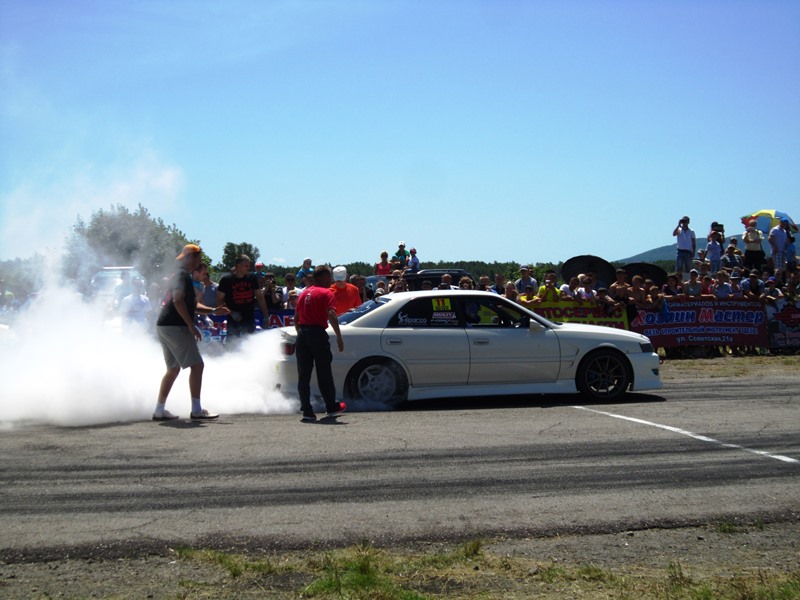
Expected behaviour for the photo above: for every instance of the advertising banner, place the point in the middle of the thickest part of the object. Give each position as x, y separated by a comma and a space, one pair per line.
704, 322
783, 324
582, 312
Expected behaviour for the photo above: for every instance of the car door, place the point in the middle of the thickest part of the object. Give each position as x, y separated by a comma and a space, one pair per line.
505, 347
426, 336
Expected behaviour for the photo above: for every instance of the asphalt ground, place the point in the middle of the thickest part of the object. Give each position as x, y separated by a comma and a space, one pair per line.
695, 452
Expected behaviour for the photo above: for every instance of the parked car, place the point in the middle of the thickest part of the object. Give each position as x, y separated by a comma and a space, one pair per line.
415, 280
113, 283
434, 276
446, 343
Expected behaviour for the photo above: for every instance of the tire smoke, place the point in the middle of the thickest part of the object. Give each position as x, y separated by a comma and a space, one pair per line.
71, 363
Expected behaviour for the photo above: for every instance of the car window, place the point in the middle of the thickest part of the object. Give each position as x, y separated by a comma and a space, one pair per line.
426, 312
359, 311
488, 312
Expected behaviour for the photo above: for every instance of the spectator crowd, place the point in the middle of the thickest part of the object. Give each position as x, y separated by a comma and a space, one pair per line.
714, 268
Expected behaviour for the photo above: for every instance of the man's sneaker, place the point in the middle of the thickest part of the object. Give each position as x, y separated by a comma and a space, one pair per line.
204, 414
340, 408
165, 416
308, 417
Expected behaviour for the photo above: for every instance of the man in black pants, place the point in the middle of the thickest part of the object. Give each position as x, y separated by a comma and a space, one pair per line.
316, 307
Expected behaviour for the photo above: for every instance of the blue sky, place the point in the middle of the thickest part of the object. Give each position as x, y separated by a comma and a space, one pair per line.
497, 130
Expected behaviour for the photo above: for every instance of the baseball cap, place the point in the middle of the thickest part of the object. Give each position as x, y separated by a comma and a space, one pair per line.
187, 250
339, 274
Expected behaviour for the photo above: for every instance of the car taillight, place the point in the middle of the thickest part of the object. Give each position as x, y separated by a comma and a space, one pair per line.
288, 349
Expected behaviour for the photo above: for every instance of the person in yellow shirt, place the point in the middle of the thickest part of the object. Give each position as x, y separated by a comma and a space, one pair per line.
549, 292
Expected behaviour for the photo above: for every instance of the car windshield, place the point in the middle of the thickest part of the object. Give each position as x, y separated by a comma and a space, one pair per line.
367, 307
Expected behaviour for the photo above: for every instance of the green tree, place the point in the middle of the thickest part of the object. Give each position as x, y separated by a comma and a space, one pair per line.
232, 251
120, 237
21, 277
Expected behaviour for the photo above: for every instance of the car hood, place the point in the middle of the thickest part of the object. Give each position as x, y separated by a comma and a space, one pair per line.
606, 333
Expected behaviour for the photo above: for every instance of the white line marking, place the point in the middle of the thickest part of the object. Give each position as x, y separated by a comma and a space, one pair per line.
695, 436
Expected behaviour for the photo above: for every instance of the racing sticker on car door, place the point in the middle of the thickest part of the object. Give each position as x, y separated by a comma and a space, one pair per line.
443, 313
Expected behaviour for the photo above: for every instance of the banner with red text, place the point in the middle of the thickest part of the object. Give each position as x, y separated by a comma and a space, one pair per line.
704, 322
783, 324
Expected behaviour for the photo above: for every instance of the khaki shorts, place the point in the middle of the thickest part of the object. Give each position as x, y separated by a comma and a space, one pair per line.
179, 346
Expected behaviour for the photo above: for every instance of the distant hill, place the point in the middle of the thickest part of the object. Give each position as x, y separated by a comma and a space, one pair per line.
669, 252
654, 255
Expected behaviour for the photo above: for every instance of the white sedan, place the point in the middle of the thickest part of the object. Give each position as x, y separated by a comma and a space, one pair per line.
454, 343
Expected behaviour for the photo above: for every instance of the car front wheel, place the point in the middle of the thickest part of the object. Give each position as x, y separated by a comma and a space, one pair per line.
377, 382
603, 375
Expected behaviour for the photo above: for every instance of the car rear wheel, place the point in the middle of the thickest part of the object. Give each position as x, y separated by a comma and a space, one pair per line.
377, 382
603, 375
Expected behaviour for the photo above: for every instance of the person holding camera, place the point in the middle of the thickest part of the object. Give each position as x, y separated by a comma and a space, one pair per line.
549, 292
714, 249
273, 294
754, 256
687, 245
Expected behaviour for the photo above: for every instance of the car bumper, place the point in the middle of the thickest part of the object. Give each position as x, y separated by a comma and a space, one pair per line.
646, 371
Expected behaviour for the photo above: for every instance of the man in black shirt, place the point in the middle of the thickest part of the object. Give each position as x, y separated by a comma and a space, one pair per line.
179, 335
237, 291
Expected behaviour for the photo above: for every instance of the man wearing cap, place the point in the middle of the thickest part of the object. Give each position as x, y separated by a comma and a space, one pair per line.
305, 271
179, 335
693, 287
346, 294
730, 260
400, 258
687, 246
316, 308
772, 292
238, 290
525, 280
754, 257
413, 261
777, 242
753, 287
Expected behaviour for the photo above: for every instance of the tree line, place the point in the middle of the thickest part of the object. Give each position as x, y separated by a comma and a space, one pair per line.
121, 237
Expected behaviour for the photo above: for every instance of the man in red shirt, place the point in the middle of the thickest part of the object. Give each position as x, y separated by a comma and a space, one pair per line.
316, 307
346, 294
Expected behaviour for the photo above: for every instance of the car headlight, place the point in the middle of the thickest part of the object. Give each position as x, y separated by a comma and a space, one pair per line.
646, 347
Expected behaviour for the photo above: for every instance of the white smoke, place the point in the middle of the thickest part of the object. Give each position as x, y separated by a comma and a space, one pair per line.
65, 362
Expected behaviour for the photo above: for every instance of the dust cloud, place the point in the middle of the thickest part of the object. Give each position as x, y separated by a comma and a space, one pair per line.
67, 362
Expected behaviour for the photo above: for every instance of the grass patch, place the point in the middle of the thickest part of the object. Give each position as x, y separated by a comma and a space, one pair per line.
364, 572
234, 564
594, 573
726, 527
729, 366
